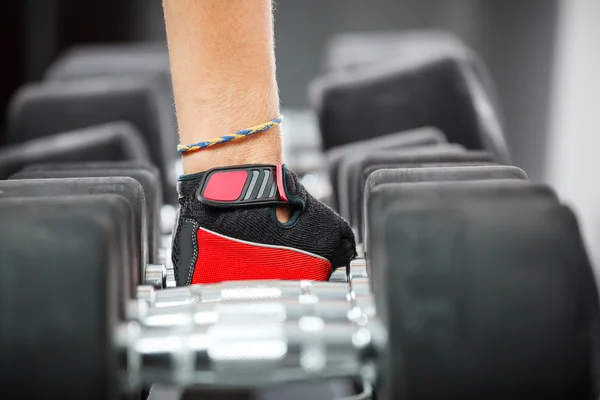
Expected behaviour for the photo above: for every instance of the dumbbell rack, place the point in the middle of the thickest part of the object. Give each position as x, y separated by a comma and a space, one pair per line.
252, 333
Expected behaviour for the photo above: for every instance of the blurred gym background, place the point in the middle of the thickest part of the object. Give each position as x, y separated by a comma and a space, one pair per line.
543, 55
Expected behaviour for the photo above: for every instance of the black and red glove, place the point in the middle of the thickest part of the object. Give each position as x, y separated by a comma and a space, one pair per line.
227, 228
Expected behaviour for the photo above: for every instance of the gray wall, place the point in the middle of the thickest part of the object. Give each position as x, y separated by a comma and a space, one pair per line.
574, 139
514, 37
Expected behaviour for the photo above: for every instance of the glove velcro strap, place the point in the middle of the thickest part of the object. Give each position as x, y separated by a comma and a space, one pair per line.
240, 186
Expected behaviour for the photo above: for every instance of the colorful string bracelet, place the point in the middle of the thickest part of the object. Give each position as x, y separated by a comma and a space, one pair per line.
244, 133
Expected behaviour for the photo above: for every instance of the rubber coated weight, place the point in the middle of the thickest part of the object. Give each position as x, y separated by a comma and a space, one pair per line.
437, 89
414, 138
61, 259
486, 298
352, 176
132, 220
145, 166
148, 176
115, 60
514, 190
41, 109
352, 49
467, 159
93, 61
110, 142
434, 174
349, 50
373, 168
351, 164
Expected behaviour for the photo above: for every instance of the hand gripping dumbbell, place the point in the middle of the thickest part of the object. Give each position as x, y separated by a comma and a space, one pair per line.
477, 297
309, 328
236, 301
159, 277
463, 287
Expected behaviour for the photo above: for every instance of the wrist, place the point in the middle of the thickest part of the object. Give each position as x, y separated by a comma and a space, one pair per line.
261, 148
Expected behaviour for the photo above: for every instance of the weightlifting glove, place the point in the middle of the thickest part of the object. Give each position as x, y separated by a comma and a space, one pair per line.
227, 228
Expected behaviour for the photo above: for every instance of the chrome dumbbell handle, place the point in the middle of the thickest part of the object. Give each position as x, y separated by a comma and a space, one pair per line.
159, 276
248, 355
155, 275
252, 290
170, 278
358, 269
339, 275
269, 289
253, 311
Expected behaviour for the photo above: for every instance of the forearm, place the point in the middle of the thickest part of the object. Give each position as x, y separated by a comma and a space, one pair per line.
223, 68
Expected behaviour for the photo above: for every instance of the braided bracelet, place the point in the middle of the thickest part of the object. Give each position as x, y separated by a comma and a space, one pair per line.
244, 133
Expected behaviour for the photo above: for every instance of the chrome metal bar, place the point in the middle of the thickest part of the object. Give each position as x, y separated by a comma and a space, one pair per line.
268, 289
253, 311
247, 354
253, 290
155, 275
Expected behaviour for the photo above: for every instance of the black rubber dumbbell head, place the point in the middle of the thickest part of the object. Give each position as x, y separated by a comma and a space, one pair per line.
489, 298
439, 89
133, 221
354, 171
456, 172
146, 175
111, 142
415, 138
354, 49
41, 109
61, 262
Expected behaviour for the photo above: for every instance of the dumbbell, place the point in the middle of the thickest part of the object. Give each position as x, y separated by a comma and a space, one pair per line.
418, 88
514, 189
97, 213
456, 172
462, 284
467, 273
147, 175
351, 49
336, 289
94, 61
159, 363
68, 254
353, 170
134, 223
109, 142
415, 138
258, 311
40, 109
